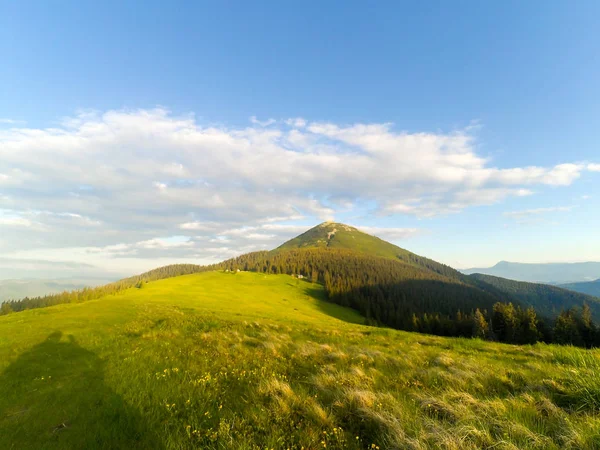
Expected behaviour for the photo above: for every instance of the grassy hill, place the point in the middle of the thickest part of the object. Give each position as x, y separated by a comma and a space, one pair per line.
252, 361
589, 288
385, 283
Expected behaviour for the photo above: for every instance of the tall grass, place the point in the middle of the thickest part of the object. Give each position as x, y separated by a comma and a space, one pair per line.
249, 361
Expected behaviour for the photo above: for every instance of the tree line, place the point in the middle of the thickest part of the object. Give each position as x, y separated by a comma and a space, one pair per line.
546, 299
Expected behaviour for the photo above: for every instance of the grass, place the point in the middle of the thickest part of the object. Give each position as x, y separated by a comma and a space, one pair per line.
253, 361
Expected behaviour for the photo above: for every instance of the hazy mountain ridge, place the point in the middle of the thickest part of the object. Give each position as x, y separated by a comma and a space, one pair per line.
589, 287
552, 273
21, 288
547, 300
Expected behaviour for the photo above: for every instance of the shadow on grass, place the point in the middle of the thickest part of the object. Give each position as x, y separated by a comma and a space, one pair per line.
54, 396
329, 308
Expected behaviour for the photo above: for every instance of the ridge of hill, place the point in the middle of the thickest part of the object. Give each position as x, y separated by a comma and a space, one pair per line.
546, 299
587, 287
552, 273
21, 288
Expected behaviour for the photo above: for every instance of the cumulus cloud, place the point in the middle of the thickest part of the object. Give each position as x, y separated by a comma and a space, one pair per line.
128, 177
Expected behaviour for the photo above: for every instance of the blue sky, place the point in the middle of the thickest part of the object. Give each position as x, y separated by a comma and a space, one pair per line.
141, 134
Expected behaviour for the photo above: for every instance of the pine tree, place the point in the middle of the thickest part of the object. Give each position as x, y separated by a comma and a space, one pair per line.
504, 322
480, 325
528, 332
566, 330
587, 329
5, 309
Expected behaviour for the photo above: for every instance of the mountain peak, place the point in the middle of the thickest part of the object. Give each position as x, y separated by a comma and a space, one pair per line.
339, 235
502, 264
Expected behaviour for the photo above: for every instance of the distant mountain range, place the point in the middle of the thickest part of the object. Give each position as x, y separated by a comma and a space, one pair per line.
552, 273
547, 300
589, 288
21, 288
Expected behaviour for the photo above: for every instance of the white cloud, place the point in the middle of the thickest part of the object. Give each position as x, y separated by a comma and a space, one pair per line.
15, 222
296, 122
391, 234
130, 176
537, 211
199, 226
264, 123
593, 167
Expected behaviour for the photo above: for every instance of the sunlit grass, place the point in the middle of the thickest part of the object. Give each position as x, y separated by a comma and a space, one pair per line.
248, 361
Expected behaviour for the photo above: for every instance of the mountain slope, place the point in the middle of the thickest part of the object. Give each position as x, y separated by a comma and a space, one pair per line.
589, 288
554, 273
340, 236
381, 280
546, 299
387, 290
246, 360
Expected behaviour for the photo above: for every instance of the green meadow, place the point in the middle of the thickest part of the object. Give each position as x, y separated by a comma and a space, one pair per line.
251, 361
